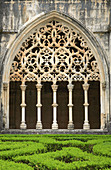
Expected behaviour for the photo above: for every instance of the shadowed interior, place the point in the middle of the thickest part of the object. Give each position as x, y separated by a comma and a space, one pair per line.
62, 101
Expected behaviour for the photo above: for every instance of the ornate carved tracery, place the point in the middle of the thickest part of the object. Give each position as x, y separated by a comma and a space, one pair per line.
54, 52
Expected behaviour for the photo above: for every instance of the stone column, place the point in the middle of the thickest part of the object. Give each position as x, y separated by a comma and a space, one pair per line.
109, 123
86, 122
23, 105
70, 105
39, 105
5, 88
102, 94
54, 125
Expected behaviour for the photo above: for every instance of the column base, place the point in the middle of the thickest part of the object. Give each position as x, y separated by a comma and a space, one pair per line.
109, 126
70, 126
39, 125
86, 126
23, 126
54, 126
4, 121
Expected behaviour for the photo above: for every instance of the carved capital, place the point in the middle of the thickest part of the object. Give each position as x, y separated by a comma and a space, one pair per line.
23, 87
85, 86
104, 86
5, 86
70, 87
39, 86
54, 87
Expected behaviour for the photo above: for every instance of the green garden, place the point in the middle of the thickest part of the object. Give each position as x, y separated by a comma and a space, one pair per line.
55, 152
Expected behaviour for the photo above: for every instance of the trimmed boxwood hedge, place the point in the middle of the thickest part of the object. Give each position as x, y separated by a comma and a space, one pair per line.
27, 150
13, 145
54, 152
103, 149
9, 165
67, 158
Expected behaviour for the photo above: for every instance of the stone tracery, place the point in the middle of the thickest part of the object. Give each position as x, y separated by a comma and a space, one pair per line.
54, 52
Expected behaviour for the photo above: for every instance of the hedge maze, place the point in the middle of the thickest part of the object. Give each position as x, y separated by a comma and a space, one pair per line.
55, 152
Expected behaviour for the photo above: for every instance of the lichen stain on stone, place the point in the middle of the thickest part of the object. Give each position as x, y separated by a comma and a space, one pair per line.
24, 16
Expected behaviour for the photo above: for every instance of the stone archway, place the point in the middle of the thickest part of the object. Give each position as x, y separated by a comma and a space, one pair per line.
55, 50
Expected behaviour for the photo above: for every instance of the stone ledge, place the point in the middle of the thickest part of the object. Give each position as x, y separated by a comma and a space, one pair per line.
58, 131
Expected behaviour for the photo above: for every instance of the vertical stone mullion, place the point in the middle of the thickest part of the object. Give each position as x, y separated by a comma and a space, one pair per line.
102, 95
70, 105
23, 105
86, 121
39, 105
5, 88
54, 125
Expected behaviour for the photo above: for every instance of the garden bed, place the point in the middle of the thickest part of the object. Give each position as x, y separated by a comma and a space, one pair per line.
55, 152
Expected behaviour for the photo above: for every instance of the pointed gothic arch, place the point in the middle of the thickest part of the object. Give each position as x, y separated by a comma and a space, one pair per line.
56, 49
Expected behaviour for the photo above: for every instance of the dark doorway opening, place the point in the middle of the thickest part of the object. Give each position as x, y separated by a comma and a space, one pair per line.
62, 100
78, 108
94, 104
47, 105
14, 105
31, 101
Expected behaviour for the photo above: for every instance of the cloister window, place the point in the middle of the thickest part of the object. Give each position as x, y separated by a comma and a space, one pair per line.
55, 53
